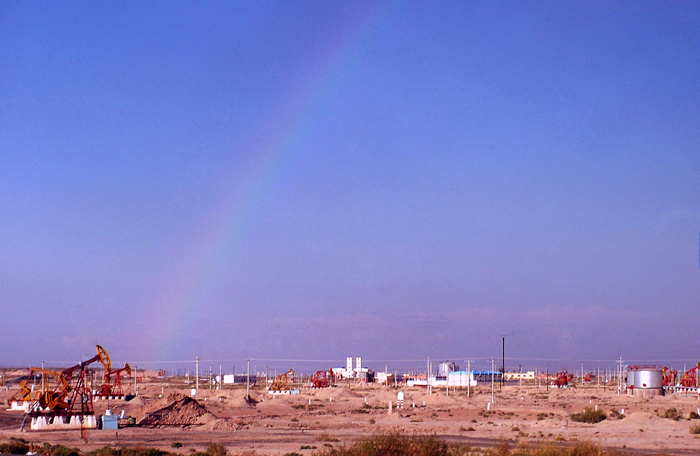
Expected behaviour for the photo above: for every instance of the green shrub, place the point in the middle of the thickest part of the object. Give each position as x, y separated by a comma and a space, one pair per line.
695, 429
693, 416
589, 416
60, 450
176, 445
104, 451
124, 451
14, 446
396, 445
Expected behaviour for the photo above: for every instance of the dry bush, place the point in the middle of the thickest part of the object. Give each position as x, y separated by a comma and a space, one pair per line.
216, 449
549, 449
615, 414
589, 416
326, 437
672, 414
397, 445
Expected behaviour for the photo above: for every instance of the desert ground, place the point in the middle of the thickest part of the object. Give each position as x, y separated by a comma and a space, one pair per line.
314, 418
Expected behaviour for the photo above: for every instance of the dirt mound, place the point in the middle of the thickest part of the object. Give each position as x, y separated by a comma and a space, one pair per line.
223, 424
174, 410
335, 393
137, 401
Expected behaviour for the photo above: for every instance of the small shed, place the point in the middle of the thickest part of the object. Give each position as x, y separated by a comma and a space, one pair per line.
109, 422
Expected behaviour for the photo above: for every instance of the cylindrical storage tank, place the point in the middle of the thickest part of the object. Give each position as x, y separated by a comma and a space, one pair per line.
445, 368
645, 381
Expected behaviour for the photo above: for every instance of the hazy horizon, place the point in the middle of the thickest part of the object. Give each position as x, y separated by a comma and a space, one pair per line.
315, 180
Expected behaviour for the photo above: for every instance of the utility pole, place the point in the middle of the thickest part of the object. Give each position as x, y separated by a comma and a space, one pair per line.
520, 377
247, 384
427, 377
469, 377
221, 379
196, 368
493, 368
136, 375
619, 376
503, 366
43, 376
447, 380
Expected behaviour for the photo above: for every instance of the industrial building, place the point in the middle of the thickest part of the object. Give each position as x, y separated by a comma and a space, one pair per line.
358, 372
530, 375
230, 379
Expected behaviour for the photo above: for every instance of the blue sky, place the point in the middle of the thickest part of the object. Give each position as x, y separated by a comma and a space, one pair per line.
315, 180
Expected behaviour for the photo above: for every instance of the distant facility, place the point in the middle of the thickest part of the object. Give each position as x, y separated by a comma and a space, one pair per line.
230, 379
457, 379
362, 374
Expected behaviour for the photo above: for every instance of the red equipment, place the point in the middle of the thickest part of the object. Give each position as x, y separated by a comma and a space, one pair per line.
669, 376
322, 379
562, 379
70, 397
690, 378
109, 389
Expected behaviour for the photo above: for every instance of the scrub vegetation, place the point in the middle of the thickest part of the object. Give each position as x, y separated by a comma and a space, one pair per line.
589, 416
403, 445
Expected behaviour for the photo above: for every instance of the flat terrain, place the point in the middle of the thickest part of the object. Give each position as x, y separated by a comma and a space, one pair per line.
333, 416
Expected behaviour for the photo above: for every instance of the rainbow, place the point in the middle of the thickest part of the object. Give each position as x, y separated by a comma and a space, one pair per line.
201, 266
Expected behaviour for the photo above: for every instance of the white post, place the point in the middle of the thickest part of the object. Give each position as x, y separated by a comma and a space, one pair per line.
247, 385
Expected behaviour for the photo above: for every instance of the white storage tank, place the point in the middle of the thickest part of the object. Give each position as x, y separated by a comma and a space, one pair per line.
445, 367
645, 381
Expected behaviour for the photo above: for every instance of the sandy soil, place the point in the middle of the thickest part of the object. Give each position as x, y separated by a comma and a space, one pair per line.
333, 416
